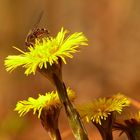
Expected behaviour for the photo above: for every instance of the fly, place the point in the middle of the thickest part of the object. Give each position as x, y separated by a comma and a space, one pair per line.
36, 33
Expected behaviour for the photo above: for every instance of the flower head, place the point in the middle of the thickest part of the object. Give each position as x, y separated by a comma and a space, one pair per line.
46, 51
130, 125
127, 116
100, 109
47, 101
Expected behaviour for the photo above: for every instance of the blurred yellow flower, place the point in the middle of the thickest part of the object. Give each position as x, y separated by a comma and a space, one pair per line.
46, 51
129, 124
47, 101
102, 107
137, 116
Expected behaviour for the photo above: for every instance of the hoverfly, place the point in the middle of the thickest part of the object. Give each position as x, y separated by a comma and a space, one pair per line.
36, 33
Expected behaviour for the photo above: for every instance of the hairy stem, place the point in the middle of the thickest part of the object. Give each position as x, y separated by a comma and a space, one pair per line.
72, 114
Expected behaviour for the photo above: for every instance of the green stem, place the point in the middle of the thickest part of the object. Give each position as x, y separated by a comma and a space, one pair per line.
72, 114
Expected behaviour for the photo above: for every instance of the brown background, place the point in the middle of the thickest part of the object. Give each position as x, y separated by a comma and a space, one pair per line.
110, 64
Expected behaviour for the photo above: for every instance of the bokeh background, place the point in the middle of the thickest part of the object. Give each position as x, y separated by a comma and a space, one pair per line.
110, 64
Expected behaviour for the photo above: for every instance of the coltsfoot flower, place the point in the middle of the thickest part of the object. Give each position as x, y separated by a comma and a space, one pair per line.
103, 107
47, 50
130, 125
47, 102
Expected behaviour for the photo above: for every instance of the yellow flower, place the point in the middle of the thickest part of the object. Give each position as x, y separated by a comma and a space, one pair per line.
102, 107
137, 116
47, 101
130, 124
128, 115
46, 51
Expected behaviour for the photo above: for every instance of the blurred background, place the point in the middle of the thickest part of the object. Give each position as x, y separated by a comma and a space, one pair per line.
110, 64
